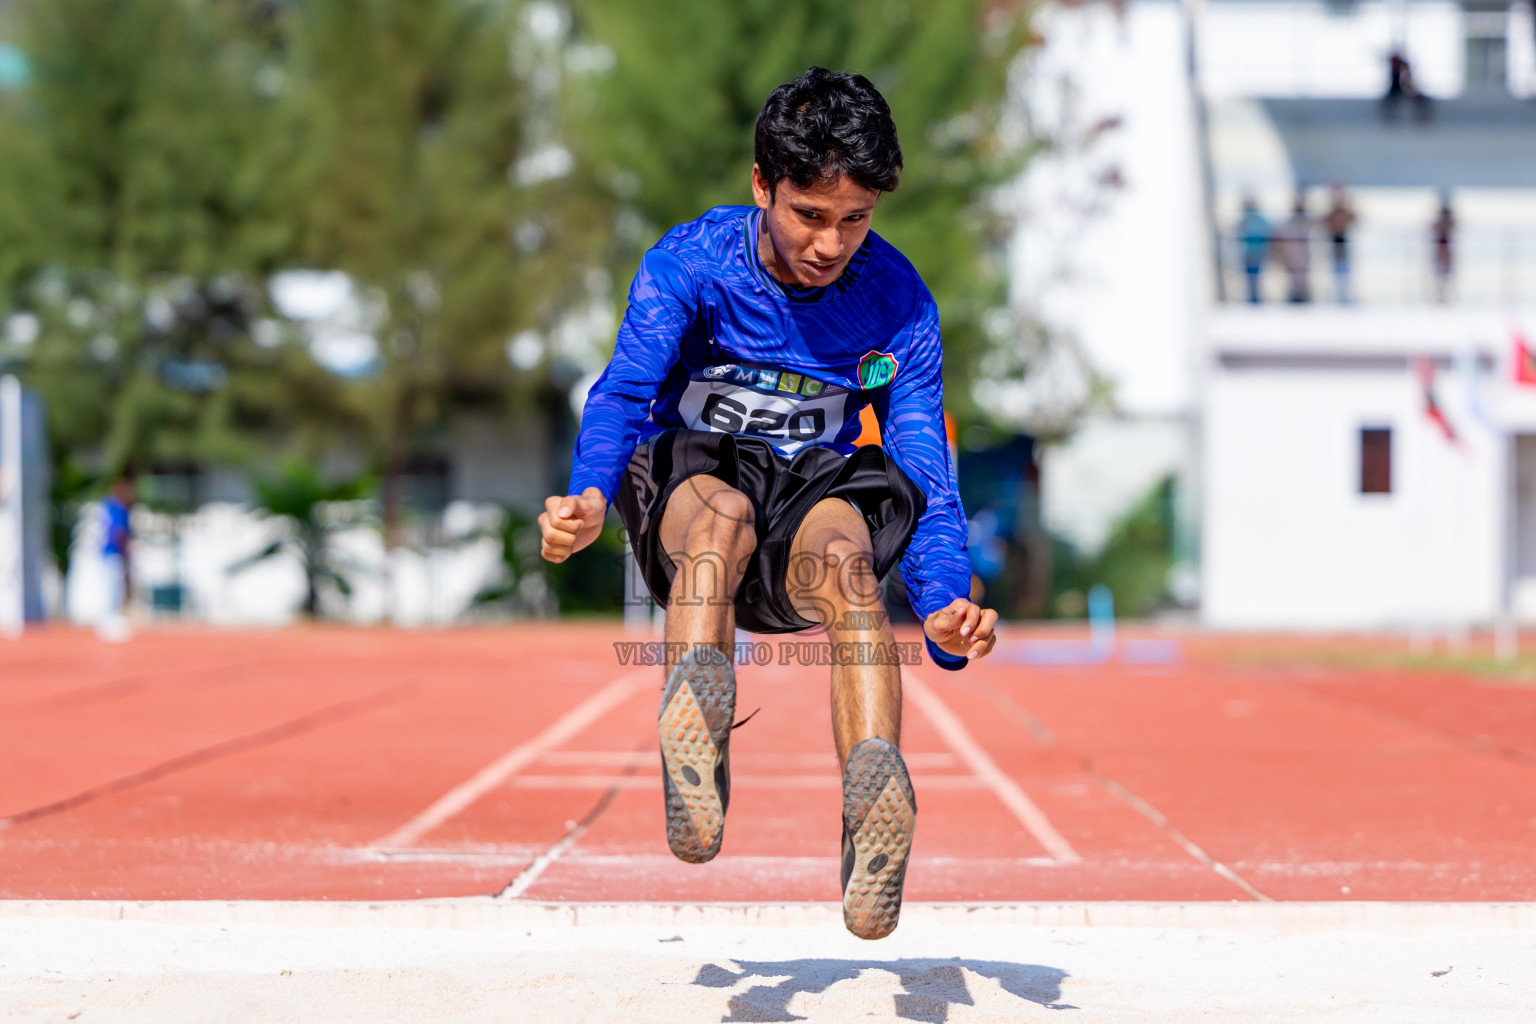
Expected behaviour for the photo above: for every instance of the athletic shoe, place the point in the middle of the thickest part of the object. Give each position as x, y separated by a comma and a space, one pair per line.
694, 727
879, 815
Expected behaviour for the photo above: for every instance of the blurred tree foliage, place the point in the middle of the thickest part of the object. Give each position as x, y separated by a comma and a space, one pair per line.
666, 132
478, 168
1134, 562
138, 212
311, 510
470, 163
589, 582
407, 121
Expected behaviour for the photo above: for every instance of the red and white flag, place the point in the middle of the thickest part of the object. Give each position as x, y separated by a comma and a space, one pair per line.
1524, 360
1425, 367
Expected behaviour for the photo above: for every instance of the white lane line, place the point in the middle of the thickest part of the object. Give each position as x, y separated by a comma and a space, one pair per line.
519, 757
1188, 845
504, 858
827, 760
653, 781
529, 875
1047, 738
981, 764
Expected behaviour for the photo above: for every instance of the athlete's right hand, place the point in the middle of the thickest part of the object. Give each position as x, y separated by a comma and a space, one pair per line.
570, 523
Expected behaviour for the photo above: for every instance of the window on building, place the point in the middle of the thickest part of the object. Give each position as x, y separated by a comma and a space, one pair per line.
1375, 460
1487, 51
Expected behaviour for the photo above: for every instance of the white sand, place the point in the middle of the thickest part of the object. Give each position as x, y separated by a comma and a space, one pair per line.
400, 962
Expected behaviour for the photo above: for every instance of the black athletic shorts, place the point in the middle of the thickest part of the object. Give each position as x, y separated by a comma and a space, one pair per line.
782, 492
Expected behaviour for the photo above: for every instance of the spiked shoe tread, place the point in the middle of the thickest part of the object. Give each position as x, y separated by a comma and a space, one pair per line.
694, 728
879, 815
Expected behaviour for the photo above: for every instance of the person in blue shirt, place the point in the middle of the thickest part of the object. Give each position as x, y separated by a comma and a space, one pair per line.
722, 431
1254, 236
116, 559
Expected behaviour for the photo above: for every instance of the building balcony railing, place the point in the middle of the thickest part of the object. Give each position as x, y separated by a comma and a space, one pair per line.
1382, 265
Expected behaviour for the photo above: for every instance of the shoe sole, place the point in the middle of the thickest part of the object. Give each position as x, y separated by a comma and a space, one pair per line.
880, 815
693, 727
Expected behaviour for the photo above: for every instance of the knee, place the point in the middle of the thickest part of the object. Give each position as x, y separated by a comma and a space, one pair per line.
850, 580
725, 520
848, 547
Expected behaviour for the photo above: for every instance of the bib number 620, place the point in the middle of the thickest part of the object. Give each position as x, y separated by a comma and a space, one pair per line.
732, 417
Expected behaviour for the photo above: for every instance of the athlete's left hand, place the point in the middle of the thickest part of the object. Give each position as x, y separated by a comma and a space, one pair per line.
963, 628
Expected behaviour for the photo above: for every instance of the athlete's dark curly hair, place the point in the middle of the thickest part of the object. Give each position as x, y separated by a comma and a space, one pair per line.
826, 124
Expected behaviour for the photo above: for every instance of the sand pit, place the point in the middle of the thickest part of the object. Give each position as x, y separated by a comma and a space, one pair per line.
476, 961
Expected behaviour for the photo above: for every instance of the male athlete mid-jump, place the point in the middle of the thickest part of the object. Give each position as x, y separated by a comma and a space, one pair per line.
722, 430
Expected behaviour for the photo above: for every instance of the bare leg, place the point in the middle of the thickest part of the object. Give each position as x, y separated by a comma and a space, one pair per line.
707, 530
832, 581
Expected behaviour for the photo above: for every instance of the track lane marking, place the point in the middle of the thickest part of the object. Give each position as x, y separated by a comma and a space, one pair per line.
825, 759
528, 876
1042, 733
981, 765
1159, 819
1474, 742
305, 723
568, 725
653, 781
90, 695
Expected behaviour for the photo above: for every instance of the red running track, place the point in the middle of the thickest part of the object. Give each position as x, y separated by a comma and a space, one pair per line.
369, 764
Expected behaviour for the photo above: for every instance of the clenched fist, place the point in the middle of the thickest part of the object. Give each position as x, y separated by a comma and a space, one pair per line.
570, 523
962, 628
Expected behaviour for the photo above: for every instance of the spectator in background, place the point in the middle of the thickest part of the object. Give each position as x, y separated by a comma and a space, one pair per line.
1442, 233
1340, 219
1402, 88
116, 564
1253, 236
1293, 243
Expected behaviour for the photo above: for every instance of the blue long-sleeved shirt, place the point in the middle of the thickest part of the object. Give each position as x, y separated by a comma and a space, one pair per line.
712, 341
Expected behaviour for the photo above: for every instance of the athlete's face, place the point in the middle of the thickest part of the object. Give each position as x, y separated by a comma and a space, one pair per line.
808, 235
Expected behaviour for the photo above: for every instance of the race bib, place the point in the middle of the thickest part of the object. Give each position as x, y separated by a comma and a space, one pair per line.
788, 410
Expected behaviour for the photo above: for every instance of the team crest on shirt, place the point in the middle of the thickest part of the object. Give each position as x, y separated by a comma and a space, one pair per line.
876, 370
716, 372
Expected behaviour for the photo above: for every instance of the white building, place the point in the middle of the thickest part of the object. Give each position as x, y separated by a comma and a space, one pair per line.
1114, 267
1332, 498
1327, 496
